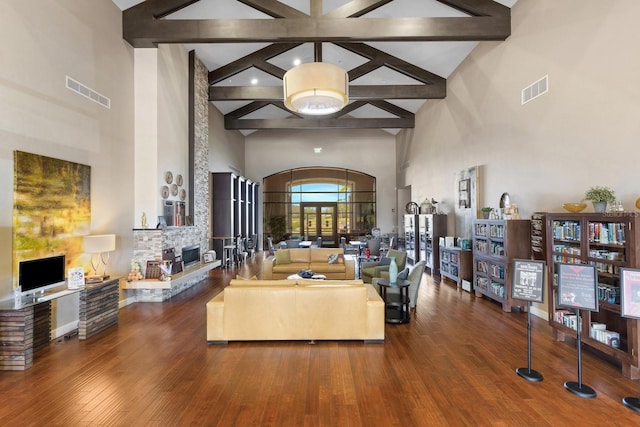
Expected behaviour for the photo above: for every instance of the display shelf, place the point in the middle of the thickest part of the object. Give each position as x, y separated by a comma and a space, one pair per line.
456, 264
608, 242
496, 243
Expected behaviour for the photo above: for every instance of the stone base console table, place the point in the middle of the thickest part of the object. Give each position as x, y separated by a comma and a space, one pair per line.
25, 326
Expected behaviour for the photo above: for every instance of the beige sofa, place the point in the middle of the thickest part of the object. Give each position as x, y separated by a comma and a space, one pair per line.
315, 259
261, 310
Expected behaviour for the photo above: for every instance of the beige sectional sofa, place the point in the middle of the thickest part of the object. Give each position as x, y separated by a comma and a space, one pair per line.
315, 259
261, 310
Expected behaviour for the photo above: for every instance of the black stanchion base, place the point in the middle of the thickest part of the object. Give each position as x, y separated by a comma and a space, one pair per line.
580, 390
632, 403
529, 374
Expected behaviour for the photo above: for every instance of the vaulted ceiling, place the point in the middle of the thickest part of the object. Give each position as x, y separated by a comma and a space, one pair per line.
398, 53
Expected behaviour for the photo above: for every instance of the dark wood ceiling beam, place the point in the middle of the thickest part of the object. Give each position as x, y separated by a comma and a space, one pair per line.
248, 61
298, 123
247, 109
478, 7
356, 8
391, 108
365, 68
392, 62
274, 8
141, 32
158, 8
364, 92
271, 69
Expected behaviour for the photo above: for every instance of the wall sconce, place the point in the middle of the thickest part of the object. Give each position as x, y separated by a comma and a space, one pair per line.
99, 246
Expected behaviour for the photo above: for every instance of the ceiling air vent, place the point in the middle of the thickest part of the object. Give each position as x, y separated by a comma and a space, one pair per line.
88, 93
536, 89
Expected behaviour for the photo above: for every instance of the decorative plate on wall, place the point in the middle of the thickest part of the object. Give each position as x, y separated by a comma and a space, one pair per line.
164, 191
183, 194
174, 189
179, 180
168, 177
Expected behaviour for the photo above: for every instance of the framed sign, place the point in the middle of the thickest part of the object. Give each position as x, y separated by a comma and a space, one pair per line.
577, 286
630, 293
528, 280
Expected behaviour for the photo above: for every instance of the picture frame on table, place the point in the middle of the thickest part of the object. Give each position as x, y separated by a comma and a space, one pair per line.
162, 223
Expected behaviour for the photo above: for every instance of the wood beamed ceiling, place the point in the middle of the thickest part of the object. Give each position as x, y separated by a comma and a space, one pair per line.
144, 26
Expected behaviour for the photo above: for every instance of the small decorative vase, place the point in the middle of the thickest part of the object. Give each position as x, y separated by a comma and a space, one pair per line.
600, 207
393, 271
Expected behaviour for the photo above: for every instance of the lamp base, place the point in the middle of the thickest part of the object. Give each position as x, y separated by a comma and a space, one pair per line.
94, 279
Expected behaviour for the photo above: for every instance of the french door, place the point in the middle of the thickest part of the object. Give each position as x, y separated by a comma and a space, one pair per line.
319, 220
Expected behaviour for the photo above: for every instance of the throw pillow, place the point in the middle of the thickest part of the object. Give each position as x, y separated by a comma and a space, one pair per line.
239, 277
404, 274
283, 257
384, 261
333, 259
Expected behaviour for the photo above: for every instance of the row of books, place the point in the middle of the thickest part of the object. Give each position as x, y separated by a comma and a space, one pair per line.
609, 293
496, 230
497, 289
481, 229
497, 248
600, 333
567, 318
565, 249
567, 230
566, 259
497, 271
607, 268
607, 232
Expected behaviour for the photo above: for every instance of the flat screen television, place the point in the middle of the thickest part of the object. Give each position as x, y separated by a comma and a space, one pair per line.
42, 273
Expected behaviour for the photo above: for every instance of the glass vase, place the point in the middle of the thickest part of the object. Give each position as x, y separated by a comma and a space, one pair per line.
393, 271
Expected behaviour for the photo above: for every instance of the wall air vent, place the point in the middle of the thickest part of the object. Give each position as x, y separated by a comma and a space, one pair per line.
536, 89
88, 93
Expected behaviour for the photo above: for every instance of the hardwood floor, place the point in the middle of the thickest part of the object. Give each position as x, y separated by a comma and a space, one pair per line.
453, 364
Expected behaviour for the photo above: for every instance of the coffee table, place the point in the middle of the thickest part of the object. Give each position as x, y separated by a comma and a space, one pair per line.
396, 304
314, 277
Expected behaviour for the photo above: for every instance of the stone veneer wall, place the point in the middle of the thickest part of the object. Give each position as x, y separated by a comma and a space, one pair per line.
148, 243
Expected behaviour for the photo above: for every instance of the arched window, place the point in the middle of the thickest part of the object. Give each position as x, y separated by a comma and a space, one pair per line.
319, 202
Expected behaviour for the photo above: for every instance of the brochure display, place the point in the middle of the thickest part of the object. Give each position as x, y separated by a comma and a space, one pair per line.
577, 289
630, 307
528, 285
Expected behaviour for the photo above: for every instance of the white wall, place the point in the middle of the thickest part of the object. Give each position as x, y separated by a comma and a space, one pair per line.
584, 132
226, 147
371, 152
49, 40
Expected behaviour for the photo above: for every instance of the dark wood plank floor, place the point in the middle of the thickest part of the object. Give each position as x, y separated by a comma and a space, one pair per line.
453, 364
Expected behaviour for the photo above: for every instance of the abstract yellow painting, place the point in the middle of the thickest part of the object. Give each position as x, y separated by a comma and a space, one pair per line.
51, 208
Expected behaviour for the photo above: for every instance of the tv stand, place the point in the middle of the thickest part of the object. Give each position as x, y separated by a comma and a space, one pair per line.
25, 327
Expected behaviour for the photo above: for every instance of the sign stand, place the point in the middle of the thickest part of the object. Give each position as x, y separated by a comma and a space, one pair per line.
528, 285
577, 288
630, 307
578, 388
528, 373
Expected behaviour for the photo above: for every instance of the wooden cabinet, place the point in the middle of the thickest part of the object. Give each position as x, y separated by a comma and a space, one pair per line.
455, 264
608, 242
496, 243
234, 208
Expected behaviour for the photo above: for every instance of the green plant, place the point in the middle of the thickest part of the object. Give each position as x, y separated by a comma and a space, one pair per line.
600, 194
486, 209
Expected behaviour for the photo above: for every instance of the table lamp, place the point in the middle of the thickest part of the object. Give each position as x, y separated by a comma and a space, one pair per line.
99, 246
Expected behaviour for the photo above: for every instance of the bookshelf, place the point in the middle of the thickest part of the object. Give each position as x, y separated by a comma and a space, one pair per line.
607, 241
496, 243
435, 226
455, 264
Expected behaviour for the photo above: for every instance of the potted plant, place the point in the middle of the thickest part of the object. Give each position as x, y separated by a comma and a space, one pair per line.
600, 196
486, 211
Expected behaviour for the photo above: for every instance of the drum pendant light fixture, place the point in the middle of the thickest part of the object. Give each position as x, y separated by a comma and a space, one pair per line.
316, 89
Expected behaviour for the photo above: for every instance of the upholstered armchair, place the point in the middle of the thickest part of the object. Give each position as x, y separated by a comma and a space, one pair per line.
369, 270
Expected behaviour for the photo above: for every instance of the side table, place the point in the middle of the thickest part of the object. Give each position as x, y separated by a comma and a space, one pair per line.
396, 304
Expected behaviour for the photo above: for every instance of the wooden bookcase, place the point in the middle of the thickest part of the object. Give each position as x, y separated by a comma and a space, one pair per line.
496, 243
432, 227
455, 264
235, 208
607, 241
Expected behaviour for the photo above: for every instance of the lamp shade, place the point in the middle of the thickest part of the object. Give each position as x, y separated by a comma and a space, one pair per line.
316, 88
99, 243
